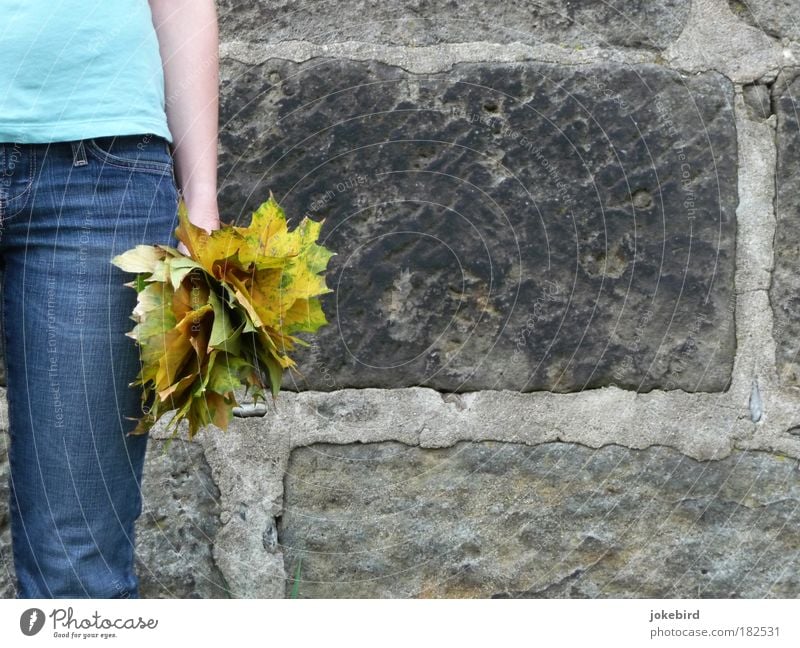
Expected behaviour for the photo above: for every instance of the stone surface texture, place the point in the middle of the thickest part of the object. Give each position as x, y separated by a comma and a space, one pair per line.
623, 23
778, 18
178, 526
556, 520
784, 293
174, 535
579, 221
717, 38
7, 586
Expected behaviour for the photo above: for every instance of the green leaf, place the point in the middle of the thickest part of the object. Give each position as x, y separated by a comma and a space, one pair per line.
140, 284
223, 335
228, 373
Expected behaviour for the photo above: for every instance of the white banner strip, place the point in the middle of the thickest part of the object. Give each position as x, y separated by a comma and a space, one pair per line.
374, 624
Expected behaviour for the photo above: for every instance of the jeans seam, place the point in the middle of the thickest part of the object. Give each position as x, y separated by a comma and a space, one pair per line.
122, 163
31, 174
6, 214
79, 154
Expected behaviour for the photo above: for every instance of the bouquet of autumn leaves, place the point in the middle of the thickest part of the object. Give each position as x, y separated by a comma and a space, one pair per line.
224, 317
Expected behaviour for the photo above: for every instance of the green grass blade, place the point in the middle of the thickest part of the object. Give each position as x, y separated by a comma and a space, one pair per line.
296, 586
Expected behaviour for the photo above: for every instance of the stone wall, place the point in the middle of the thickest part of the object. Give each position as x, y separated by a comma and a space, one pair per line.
562, 358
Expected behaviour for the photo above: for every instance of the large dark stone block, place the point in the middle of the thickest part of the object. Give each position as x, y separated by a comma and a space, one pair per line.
624, 23
553, 521
520, 226
785, 288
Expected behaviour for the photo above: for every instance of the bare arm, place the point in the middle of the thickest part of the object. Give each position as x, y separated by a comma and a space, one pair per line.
189, 45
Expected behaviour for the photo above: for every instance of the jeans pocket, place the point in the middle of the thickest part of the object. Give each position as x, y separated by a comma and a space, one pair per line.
135, 152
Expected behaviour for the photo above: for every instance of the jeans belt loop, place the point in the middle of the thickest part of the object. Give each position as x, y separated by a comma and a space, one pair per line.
79, 154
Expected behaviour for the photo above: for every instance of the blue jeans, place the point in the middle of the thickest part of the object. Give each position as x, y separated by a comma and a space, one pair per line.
65, 209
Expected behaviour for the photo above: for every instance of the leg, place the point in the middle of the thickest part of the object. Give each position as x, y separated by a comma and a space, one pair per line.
75, 471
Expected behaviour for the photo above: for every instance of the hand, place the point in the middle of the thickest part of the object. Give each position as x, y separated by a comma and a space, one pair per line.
203, 214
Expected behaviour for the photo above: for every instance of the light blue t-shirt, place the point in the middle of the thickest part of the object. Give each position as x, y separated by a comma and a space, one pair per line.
77, 69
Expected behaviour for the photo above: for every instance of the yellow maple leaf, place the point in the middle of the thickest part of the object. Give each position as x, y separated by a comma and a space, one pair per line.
225, 316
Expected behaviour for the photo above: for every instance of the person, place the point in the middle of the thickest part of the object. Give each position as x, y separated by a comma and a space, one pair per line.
108, 116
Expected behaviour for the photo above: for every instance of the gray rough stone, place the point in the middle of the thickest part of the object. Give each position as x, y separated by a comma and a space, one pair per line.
175, 533
178, 526
757, 100
501, 226
554, 520
778, 18
3, 367
7, 587
716, 38
249, 461
623, 23
783, 293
